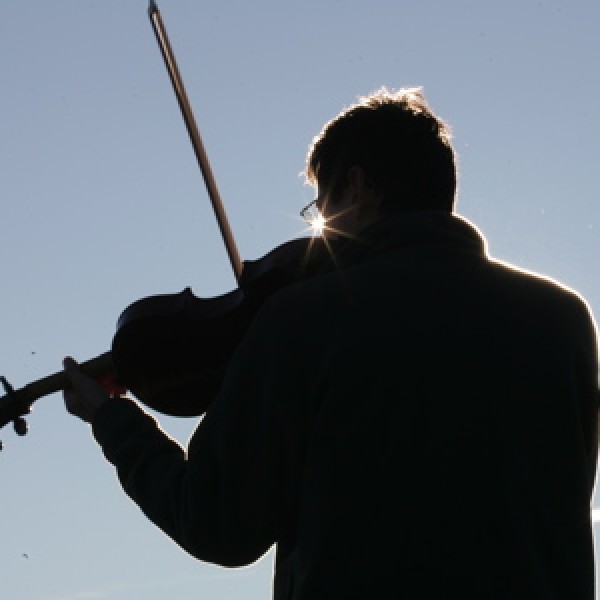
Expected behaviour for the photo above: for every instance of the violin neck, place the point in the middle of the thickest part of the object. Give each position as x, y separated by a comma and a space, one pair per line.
18, 402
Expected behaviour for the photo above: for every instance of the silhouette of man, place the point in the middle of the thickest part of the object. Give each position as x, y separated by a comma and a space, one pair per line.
420, 422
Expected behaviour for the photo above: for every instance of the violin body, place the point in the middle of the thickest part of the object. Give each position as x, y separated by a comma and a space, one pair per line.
172, 350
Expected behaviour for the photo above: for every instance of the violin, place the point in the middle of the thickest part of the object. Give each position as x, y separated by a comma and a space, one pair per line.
171, 351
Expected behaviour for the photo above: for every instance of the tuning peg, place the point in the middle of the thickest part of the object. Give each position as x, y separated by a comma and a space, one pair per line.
8, 389
20, 426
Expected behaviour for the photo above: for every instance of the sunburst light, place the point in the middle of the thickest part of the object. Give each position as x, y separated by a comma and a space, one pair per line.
317, 224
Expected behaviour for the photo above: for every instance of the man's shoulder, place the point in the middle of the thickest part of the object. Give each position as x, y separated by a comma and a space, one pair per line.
532, 279
537, 287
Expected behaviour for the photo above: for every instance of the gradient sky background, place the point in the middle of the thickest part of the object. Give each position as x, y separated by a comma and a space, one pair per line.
103, 203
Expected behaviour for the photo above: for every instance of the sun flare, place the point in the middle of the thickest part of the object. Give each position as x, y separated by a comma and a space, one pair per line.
318, 224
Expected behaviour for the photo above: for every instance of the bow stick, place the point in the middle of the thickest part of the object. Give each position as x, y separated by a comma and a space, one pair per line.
165, 47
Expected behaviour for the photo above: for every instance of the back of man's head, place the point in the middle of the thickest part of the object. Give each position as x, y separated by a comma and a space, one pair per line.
403, 148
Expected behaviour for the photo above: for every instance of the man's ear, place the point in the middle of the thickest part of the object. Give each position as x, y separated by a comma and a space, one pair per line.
356, 179
363, 194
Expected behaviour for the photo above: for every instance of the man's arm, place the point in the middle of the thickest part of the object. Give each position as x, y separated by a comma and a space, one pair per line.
228, 498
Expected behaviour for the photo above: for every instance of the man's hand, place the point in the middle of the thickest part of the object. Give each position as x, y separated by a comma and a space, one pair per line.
86, 396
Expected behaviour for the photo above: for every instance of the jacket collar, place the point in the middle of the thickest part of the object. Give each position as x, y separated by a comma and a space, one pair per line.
417, 230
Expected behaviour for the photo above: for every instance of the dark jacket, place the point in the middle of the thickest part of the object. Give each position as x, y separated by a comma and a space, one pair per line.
420, 424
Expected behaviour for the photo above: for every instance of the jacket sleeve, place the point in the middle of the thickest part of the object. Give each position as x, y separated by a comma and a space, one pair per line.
227, 498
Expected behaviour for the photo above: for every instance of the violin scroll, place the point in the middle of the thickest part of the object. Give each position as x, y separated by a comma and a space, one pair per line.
13, 410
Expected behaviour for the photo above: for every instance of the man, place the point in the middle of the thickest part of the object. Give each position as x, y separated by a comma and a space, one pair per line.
418, 423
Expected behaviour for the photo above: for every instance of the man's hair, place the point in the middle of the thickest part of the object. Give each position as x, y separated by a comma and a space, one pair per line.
403, 148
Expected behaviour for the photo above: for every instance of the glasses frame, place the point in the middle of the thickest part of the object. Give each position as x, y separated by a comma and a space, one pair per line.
305, 212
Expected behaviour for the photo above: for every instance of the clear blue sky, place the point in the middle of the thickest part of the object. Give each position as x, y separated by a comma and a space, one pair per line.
103, 203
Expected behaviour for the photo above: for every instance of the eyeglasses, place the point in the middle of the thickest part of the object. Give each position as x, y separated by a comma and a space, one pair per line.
314, 217
311, 213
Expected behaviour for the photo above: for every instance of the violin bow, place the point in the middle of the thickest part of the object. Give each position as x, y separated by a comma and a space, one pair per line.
169, 58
